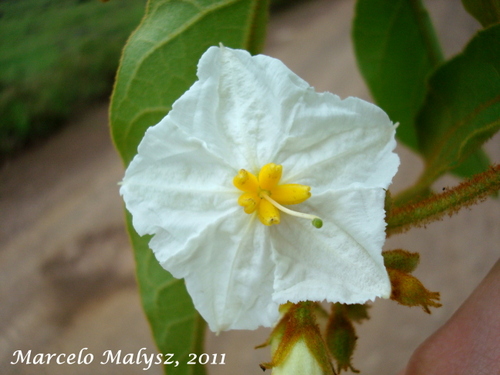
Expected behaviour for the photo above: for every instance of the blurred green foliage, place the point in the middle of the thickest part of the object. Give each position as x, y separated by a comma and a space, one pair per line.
397, 51
54, 56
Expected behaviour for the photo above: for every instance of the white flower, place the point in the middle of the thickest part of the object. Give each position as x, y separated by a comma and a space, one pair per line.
247, 112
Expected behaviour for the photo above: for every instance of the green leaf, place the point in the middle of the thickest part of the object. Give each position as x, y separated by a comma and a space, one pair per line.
462, 108
396, 49
158, 65
159, 61
476, 163
177, 327
485, 11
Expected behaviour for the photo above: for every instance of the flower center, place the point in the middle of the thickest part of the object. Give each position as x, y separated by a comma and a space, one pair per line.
264, 195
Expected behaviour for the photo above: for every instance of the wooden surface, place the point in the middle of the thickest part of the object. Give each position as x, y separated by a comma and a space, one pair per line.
66, 268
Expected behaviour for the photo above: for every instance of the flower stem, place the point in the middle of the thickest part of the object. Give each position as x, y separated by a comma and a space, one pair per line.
403, 217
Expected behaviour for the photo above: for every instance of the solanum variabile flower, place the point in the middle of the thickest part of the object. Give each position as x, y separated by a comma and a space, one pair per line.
215, 180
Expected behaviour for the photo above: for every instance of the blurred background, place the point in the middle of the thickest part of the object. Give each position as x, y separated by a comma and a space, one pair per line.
55, 57
66, 267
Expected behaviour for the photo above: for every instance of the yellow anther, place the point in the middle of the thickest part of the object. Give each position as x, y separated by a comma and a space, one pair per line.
290, 193
249, 201
268, 214
269, 176
246, 181
265, 196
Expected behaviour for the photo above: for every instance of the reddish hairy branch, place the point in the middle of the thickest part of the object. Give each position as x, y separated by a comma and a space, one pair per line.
418, 214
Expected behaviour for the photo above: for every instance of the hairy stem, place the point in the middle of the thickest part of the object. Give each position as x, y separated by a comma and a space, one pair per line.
401, 218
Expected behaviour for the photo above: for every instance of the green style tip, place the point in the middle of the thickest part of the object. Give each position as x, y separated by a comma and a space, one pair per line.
317, 222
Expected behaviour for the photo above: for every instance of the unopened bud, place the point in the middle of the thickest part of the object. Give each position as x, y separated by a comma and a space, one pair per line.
401, 260
299, 361
341, 337
409, 291
296, 343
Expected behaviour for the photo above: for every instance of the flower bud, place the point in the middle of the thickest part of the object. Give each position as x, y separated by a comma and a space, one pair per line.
296, 343
299, 361
409, 291
406, 289
341, 337
401, 260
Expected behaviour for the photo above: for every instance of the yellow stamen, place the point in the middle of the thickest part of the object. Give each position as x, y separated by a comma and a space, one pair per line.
249, 202
268, 214
291, 193
264, 195
246, 181
269, 176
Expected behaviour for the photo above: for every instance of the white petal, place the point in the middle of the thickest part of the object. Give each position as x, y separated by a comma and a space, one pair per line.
339, 144
228, 273
342, 261
181, 193
239, 106
176, 185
